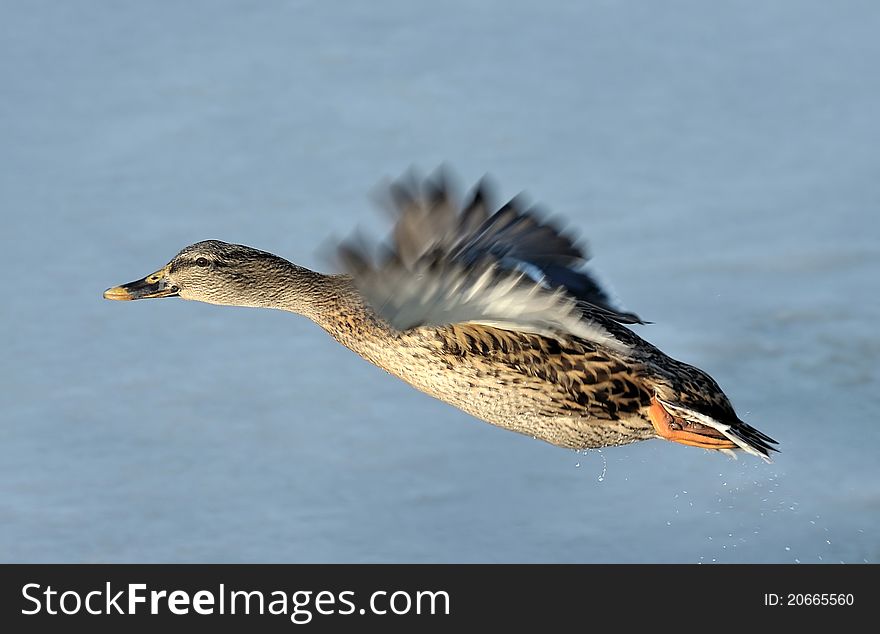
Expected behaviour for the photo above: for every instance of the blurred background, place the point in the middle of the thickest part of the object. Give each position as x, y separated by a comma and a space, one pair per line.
721, 159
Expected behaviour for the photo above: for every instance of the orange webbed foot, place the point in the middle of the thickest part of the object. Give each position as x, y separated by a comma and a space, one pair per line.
685, 432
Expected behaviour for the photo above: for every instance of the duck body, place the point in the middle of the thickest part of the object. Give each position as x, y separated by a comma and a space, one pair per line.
488, 312
572, 393
567, 394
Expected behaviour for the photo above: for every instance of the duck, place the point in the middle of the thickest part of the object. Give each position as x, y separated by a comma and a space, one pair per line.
488, 307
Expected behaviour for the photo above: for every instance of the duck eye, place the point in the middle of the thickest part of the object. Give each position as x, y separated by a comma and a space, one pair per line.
202, 262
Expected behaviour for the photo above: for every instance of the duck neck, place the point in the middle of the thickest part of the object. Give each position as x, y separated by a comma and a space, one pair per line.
332, 302
301, 291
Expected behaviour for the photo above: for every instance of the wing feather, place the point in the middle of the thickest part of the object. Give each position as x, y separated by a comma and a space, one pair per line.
452, 263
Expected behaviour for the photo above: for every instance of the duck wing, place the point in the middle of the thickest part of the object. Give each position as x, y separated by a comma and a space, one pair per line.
504, 266
516, 235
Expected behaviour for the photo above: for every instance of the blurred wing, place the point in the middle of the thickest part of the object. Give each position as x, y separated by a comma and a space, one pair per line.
450, 264
428, 218
438, 292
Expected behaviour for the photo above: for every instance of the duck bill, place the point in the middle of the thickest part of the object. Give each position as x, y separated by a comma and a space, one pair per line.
153, 285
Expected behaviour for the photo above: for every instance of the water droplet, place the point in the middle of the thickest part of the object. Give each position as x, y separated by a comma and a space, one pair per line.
788, 548
577, 465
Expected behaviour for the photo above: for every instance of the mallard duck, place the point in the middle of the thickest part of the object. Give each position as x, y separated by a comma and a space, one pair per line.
487, 308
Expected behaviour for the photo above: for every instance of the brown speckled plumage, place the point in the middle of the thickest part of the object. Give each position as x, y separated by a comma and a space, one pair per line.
488, 311
571, 393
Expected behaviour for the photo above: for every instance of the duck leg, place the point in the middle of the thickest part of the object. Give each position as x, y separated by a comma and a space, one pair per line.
685, 432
